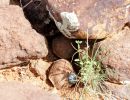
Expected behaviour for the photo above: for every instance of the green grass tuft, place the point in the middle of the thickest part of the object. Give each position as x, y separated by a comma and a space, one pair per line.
91, 73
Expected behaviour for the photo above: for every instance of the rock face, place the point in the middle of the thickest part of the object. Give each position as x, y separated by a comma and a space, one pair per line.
119, 92
62, 47
115, 52
59, 72
18, 41
4, 2
97, 18
20, 91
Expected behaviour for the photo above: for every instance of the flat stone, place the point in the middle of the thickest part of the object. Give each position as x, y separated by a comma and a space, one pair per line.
118, 92
39, 67
24, 91
18, 41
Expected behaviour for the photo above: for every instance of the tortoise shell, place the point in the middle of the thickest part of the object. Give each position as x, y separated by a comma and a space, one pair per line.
59, 73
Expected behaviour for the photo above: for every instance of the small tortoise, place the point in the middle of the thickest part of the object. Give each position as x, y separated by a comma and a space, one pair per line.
62, 75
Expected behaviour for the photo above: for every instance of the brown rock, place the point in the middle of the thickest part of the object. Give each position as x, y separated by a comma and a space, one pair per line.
58, 73
62, 47
14, 2
97, 18
115, 55
18, 41
51, 56
20, 91
39, 67
118, 92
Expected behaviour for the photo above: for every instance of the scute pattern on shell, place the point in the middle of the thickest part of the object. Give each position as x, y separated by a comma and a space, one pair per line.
59, 73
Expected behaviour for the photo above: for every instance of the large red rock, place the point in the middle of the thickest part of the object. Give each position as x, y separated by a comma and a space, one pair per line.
117, 92
22, 91
115, 55
62, 47
18, 41
97, 18
4, 2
